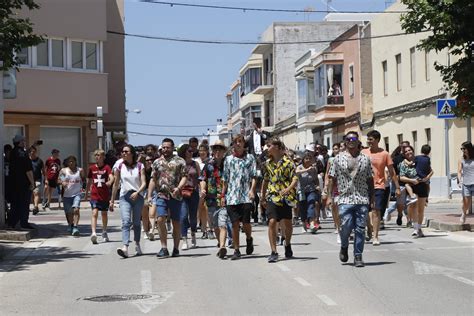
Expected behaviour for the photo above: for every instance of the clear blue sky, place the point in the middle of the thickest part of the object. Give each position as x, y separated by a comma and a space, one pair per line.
185, 84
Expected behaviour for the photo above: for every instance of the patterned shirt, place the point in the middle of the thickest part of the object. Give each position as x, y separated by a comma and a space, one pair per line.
351, 175
279, 176
407, 170
238, 174
212, 175
168, 175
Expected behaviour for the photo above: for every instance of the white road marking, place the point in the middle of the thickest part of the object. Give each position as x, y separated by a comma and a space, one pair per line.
426, 268
302, 281
283, 267
326, 300
146, 282
460, 279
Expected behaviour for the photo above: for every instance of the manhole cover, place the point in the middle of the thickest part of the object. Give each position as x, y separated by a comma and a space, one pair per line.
117, 298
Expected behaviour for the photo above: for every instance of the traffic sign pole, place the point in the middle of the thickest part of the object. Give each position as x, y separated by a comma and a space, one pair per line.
2, 170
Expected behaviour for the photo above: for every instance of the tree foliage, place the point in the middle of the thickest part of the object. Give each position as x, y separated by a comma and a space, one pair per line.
15, 32
451, 26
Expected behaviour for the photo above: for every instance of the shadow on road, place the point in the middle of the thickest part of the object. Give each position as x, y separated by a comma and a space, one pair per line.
23, 259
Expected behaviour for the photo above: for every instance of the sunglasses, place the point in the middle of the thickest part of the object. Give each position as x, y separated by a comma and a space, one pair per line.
462, 148
125, 151
352, 139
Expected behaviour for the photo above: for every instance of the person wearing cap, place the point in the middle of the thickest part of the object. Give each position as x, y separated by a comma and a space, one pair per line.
22, 179
212, 192
52, 166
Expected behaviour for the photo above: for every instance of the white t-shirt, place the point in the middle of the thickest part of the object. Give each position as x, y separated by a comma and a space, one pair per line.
130, 178
72, 182
257, 145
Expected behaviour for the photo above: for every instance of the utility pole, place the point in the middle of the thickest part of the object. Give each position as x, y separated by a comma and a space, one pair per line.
2, 170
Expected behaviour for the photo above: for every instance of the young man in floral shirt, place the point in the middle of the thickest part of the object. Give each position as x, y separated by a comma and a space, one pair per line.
240, 171
212, 192
279, 195
168, 179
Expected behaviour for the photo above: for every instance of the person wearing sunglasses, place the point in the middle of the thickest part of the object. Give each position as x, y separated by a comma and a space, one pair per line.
466, 177
168, 179
130, 176
352, 170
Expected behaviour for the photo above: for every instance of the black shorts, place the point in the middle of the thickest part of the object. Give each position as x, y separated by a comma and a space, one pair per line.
421, 189
53, 183
240, 212
380, 199
279, 212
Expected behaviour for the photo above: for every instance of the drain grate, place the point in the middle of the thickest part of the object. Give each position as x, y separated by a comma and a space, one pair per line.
118, 298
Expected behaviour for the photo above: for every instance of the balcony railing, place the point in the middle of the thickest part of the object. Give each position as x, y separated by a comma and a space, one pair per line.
335, 99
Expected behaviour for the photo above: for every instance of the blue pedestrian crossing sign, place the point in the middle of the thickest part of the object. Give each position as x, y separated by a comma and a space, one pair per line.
445, 108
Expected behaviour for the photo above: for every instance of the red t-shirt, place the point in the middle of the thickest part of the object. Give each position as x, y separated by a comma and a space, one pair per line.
53, 166
99, 176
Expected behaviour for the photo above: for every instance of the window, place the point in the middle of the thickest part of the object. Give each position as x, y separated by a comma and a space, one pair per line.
42, 54
398, 61
415, 141
235, 100
23, 56
327, 82
268, 70
400, 138
427, 65
428, 135
385, 78
250, 80
386, 142
57, 50
91, 56
76, 53
351, 80
269, 112
249, 114
306, 97
412, 67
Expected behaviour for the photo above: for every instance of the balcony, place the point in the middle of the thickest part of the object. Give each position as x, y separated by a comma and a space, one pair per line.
263, 89
330, 112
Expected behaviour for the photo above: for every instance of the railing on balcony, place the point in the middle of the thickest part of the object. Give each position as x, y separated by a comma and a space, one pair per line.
335, 99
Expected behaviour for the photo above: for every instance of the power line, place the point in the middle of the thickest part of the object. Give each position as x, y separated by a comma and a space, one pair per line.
165, 135
245, 9
157, 125
223, 42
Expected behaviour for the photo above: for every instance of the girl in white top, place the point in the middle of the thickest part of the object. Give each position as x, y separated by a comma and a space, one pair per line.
130, 175
71, 178
466, 178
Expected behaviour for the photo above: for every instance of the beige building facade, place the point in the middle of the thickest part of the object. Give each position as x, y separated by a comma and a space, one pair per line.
64, 79
405, 89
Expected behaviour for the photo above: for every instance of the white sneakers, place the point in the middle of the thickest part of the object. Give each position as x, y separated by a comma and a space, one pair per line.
138, 250
463, 218
94, 239
105, 237
185, 245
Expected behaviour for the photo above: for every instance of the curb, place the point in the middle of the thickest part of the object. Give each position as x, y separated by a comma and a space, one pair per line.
17, 235
448, 227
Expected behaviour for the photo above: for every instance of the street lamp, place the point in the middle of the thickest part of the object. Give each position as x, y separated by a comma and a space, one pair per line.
136, 111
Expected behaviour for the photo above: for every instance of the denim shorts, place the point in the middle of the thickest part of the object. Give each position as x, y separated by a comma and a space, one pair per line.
71, 203
220, 217
173, 205
380, 202
468, 189
100, 205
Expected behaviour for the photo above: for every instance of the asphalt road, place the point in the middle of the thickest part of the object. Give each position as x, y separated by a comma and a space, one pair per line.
63, 275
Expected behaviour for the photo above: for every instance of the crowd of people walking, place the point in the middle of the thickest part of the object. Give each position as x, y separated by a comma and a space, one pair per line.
220, 190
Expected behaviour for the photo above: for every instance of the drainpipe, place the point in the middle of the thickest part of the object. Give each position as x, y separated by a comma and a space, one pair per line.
2, 175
